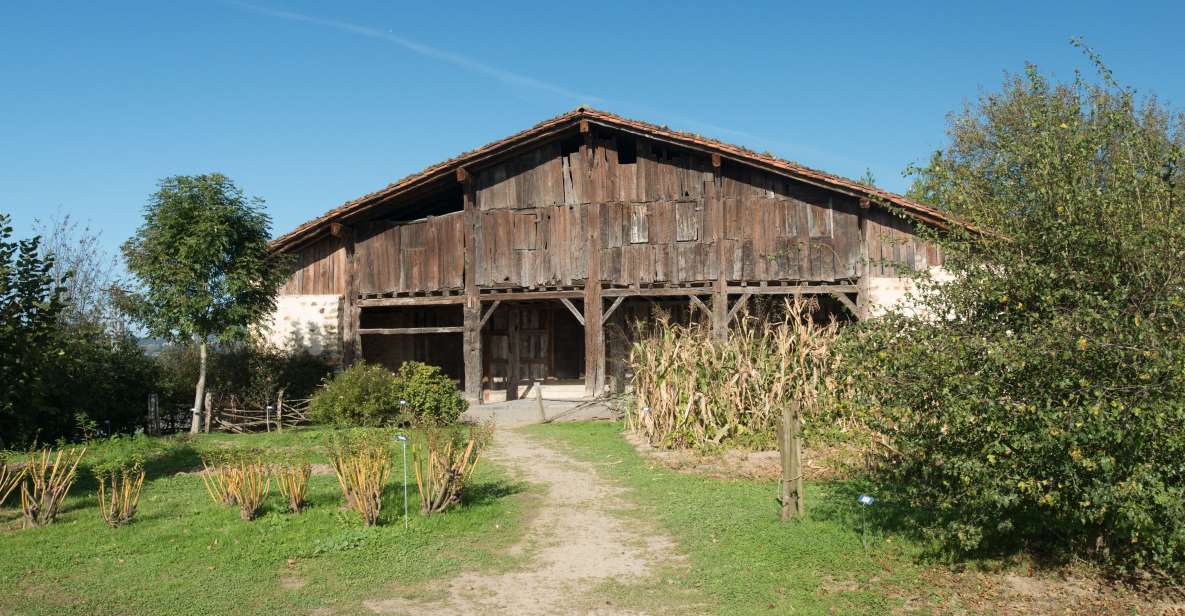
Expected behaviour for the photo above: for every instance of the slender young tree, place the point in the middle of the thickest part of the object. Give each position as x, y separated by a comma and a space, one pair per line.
202, 260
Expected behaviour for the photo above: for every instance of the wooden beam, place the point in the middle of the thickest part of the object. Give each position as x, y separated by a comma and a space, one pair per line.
410, 331
715, 204
796, 289
584, 127
531, 295
338, 230
411, 301
740, 303
576, 313
489, 313
847, 301
612, 307
697, 302
657, 292
594, 331
351, 321
471, 344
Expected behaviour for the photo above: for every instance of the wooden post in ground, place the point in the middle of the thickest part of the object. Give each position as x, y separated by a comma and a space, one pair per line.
153, 415
209, 404
471, 343
789, 437
512, 317
280, 411
539, 400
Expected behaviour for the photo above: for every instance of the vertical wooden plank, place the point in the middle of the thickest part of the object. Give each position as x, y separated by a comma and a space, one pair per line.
715, 205
594, 334
513, 314
639, 224
471, 345
350, 340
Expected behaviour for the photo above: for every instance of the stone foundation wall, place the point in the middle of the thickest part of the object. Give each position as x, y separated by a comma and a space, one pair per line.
310, 322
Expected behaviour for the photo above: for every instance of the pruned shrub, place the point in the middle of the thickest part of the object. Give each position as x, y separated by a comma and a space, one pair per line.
293, 481
369, 395
51, 474
443, 466
216, 477
248, 483
362, 462
119, 491
10, 477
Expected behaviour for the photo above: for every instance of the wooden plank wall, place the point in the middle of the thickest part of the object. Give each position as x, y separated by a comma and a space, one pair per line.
653, 227
424, 255
894, 245
319, 269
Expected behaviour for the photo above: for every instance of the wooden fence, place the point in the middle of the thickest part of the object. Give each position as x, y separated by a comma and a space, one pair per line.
227, 413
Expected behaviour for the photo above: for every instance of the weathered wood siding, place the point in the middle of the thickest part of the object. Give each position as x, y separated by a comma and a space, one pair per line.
894, 246
654, 227
425, 255
318, 269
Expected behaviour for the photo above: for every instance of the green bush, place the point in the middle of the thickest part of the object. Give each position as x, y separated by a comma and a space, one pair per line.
1038, 401
251, 371
371, 395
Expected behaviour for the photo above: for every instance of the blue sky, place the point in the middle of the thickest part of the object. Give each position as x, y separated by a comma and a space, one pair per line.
309, 104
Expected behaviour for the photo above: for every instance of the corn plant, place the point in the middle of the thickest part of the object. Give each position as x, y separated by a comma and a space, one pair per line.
51, 474
119, 492
248, 482
293, 481
363, 464
10, 478
694, 390
444, 468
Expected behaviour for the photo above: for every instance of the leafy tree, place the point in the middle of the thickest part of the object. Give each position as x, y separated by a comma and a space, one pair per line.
1039, 401
203, 264
30, 302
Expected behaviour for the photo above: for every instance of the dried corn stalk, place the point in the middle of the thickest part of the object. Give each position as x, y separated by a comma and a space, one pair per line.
441, 476
248, 483
362, 467
293, 480
50, 476
694, 390
119, 493
10, 478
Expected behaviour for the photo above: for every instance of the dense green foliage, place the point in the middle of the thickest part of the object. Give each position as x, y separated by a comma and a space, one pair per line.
30, 302
252, 372
371, 395
1041, 403
202, 260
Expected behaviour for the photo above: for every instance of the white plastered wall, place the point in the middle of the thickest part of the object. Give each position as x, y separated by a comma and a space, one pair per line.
310, 322
885, 293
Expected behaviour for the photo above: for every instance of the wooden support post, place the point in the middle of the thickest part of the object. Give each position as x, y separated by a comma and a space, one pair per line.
594, 329
720, 285
471, 345
789, 432
351, 339
863, 266
512, 361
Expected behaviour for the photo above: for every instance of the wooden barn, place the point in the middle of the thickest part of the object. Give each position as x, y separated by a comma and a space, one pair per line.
507, 265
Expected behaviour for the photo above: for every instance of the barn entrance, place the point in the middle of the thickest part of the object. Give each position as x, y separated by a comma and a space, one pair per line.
532, 343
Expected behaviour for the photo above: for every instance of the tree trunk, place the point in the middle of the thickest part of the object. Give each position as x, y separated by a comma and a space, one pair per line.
199, 396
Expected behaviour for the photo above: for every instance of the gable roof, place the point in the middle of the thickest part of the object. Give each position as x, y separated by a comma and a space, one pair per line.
559, 124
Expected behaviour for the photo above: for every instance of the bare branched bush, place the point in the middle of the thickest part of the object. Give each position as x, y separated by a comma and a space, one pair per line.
293, 480
694, 390
445, 467
362, 462
215, 476
51, 474
248, 483
119, 492
10, 477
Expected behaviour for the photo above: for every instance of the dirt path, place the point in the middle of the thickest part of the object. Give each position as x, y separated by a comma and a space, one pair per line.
575, 544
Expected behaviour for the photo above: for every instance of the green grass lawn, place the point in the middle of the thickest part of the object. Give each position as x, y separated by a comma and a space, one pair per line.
185, 555
741, 557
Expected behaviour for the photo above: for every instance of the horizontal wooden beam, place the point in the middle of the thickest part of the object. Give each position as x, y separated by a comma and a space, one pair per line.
411, 301
657, 292
410, 331
795, 289
530, 295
